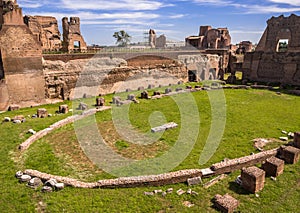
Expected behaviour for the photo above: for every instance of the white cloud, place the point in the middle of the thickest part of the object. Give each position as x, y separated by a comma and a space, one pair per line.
113, 5
30, 4
245, 32
290, 2
262, 9
104, 16
213, 2
177, 16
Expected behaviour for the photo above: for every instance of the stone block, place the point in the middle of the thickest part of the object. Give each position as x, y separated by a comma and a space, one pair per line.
297, 139
64, 109
225, 203
116, 100
253, 179
144, 95
156, 93
273, 166
42, 113
290, 154
83, 106
131, 97
13, 107
194, 181
151, 86
168, 90
100, 101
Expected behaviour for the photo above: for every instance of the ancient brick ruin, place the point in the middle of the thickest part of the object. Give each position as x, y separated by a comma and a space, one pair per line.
155, 42
210, 38
72, 39
21, 59
276, 58
45, 28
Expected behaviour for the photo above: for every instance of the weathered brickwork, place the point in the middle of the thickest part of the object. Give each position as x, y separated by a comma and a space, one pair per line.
277, 56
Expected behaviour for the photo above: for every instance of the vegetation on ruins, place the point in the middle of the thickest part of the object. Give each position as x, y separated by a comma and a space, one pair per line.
123, 38
250, 114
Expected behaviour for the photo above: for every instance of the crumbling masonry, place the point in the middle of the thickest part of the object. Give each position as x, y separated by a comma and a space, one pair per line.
22, 78
45, 28
72, 39
277, 56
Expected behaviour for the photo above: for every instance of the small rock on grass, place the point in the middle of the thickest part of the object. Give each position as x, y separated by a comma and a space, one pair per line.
35, 182
170, 190
18, 174
59, 186
149, 193
51, 183
47, 189
284, 138
188, 204
158, 191
180, 192
25, 178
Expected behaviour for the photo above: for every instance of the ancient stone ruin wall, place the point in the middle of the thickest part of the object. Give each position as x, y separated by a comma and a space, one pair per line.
4, 97
103, 75
210, 38
270, 64
45, 28
106, 75
21, 56
72, 35
161, 41
11, 13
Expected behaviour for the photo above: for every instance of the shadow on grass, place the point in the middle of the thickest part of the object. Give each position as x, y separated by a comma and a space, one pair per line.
233, 186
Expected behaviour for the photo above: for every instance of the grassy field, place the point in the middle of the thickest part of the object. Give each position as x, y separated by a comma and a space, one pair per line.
250, 114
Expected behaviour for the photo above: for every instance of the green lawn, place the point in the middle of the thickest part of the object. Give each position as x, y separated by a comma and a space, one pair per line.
250, 114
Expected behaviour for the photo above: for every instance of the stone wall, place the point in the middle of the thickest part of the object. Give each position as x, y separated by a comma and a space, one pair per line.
102, 75
21, 56
238, 163
105, 75
4, 97
269, 63
45, 28
210, 38
72, 34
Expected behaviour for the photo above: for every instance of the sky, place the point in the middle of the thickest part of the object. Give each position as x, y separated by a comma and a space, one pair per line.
245, 19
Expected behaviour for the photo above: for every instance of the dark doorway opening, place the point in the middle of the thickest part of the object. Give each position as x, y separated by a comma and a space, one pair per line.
192, 76
62, 94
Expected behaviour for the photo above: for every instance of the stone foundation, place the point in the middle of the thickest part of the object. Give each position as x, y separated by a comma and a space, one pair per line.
290, 154
239, 163
253, 179
226, 203
273, 166
297, 140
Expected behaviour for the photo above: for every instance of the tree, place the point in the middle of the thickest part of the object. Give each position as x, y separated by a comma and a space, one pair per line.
122, 38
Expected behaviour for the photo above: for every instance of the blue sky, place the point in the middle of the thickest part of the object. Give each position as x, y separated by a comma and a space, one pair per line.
177, 19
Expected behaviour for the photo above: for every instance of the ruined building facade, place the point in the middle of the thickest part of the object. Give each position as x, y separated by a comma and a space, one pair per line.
154, 42
22, 78
72, 39
45, 28
210, 38
277, 56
